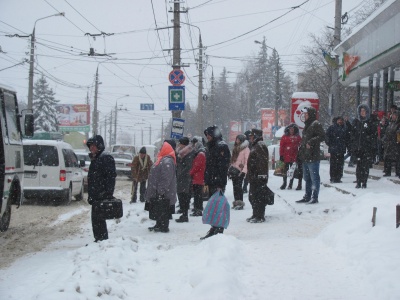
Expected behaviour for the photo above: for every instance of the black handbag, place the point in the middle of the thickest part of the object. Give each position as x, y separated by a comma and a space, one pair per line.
270, 197
111, 208
233, 172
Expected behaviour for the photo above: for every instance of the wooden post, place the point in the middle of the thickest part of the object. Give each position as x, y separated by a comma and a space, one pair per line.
374, 216
397, 215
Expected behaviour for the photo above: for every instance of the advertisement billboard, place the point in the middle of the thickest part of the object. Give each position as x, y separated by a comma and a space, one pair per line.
235, 128
267, 121
73, 117
299, 101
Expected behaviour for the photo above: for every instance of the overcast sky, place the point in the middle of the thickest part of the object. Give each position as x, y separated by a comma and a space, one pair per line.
137, 65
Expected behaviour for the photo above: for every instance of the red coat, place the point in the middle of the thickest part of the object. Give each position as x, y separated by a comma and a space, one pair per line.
198, 168
289, 147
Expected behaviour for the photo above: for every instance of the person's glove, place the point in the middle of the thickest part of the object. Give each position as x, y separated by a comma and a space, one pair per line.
281, 158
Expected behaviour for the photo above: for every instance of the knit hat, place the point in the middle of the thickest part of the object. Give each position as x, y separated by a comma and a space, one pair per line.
172, 143
142, 150
257, 133
184, 141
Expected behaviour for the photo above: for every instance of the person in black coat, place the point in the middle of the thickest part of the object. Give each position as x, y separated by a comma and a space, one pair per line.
218, 157
363, 143
101, 184
336, 138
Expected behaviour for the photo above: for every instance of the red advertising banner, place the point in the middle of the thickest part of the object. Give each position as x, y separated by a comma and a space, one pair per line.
267, 121
235, 128
73, 117
299, 101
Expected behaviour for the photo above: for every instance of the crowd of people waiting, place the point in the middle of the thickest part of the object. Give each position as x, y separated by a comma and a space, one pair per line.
200, 167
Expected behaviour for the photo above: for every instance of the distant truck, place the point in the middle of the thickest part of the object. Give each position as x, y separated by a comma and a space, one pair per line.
124, 148
11, 153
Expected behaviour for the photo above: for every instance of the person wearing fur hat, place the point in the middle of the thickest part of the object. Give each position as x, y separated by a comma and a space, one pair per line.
288, 150
257, 172
184, 160
240, 154
141, 165
101, 184
217, 162
197, 175
309, 154
363, 143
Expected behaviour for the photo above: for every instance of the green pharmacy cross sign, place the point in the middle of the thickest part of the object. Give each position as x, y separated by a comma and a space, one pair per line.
176, 97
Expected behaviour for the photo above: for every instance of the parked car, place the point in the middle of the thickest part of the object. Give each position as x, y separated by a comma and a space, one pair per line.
84, 156
52, 171
123, 163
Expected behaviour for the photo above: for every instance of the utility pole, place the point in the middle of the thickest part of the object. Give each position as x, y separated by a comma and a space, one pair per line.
150, 136
176, 58
200, 96
31, 66
105, 129
212, 99
115, 123
111, 114
96, 87
335, 95
277, 92
88, 105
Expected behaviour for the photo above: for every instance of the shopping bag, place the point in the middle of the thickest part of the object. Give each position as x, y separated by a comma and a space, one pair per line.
270, 196
279, 168
217, 211
291, 171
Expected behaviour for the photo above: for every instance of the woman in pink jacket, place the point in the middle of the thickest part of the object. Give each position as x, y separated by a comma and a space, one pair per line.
239, 158
197, 174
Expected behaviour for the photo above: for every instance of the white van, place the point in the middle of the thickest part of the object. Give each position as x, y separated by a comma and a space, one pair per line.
52, 171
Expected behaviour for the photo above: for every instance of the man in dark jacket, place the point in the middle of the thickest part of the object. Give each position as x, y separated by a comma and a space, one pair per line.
101, 184
309, 154
184, 160
363, 143
218, 158
337, 139
257, 172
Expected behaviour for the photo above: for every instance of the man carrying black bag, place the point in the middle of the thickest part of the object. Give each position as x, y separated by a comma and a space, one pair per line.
101, 184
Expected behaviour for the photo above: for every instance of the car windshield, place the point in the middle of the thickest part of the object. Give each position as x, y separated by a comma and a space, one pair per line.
122, 156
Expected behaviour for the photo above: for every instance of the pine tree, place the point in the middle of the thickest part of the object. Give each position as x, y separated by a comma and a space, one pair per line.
43, 104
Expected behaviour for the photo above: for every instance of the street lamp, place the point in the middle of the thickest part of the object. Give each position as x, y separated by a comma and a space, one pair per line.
32, 60
277, 93
116, 112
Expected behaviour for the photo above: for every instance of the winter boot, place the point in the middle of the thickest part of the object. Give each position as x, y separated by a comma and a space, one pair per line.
183, 218
197, 213
364, 185
290, 184
239, 205
299, 185
283, 186
358, 184
211, 232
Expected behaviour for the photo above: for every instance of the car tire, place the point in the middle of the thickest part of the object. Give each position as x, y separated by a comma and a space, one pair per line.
5, 219
79, 197
68, 196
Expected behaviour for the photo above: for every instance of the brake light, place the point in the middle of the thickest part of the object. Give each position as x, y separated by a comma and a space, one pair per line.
129, 165
86, 169
63, 175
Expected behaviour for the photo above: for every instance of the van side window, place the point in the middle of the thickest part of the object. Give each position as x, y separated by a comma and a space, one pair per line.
11, 118
70, 159
35, 155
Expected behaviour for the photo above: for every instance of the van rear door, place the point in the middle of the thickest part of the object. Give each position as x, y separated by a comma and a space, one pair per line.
41, 166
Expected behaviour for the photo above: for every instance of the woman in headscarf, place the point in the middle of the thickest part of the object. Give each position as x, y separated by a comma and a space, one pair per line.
161, 189
197, 175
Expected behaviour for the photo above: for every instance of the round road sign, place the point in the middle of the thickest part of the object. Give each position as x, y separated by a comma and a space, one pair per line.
176, 77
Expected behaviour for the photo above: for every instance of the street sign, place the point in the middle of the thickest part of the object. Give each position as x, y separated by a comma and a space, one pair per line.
176, 77
146, 106
176, 97
177, 128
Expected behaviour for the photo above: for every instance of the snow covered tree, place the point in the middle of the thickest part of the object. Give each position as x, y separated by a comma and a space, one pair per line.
44, 106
